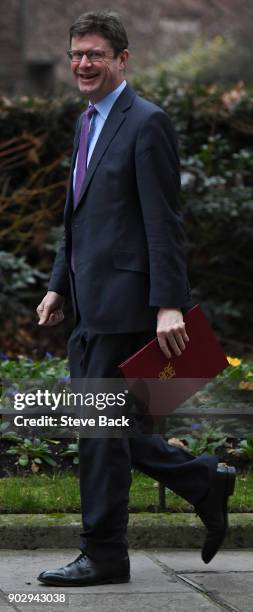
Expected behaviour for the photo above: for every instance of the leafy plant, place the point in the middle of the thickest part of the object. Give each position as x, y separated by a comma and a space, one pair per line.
33, 451
205, 438
245, 448
7, 435
3, 426
204, 60
72, 450
25, 375
26, 368
239, 374
16, 278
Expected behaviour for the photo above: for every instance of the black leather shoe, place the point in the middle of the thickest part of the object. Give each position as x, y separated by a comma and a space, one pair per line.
85, 572
213, 511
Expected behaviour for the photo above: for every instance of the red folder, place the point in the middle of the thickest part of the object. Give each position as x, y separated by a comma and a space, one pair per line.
171, 382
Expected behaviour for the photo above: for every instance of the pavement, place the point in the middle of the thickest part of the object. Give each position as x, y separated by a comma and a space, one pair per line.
161, 579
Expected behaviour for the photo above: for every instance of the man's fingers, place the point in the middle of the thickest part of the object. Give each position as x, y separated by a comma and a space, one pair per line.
164, 346
47, 317
40, 308
173, 341
43, 313
54, 318
171, 332
50, 310
179, 339
185, 335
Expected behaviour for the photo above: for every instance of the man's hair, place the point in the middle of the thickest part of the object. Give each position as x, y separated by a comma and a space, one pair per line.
106, 24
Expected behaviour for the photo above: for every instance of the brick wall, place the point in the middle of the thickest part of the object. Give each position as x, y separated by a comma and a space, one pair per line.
35, 34
11, 46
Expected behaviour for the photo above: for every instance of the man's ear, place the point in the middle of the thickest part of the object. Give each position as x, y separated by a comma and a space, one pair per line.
124, 56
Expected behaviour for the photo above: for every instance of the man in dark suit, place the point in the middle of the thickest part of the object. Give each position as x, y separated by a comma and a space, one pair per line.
123, 257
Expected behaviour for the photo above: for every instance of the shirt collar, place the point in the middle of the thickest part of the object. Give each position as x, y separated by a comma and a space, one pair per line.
104, 106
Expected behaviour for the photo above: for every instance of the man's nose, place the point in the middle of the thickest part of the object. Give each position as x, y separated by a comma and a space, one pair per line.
85, 61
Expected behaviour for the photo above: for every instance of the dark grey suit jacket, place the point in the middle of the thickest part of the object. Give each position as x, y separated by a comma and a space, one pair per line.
127, 230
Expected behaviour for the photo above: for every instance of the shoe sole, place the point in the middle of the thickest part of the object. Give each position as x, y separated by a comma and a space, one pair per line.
90, 583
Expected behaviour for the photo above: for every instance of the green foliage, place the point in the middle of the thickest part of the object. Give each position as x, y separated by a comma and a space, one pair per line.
31, 451
245, 448
205, 439
206, 61
27, 375
203, 59
239, 370
215, 165
22, 368
16, 272
220, 262
72, 451
16, 277
232, 387
3, 426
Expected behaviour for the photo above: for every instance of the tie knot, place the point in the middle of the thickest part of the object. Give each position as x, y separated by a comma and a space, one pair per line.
91, 111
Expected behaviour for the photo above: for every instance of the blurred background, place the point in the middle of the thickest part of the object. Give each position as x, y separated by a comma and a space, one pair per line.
191, 57
193, 37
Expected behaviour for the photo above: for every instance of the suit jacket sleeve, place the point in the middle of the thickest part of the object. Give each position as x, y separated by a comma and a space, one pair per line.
59, 279
158, 181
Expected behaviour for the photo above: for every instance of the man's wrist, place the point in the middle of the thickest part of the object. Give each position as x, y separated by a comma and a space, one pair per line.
169, 309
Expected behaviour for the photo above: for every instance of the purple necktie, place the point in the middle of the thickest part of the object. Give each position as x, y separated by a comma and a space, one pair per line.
82, 153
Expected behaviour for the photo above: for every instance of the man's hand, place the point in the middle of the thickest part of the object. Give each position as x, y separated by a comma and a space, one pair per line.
171, 332
50, 310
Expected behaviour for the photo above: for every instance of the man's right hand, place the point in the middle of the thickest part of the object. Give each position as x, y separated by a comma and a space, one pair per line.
50, 310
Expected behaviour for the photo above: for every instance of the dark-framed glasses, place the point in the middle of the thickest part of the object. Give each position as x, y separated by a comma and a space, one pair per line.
93, 55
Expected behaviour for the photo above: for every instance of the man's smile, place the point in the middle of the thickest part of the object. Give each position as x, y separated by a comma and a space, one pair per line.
87, 76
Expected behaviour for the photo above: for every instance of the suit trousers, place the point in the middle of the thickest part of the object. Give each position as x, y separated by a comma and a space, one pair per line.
106, 462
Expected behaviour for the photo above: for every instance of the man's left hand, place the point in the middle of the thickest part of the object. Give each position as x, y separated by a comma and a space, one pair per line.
171, 332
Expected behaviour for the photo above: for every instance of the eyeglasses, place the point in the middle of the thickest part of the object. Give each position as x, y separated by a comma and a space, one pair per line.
94, 55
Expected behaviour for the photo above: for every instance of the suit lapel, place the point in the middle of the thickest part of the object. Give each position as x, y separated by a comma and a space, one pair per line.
111, 126
69, 196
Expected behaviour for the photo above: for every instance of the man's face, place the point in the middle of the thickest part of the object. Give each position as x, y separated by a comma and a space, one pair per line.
97, 77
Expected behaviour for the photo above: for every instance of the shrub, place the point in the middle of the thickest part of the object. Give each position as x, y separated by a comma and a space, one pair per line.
17, 278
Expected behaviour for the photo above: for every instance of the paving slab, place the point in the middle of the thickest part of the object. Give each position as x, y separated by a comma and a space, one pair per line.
188, 561
169, 580
151, 578
176, 602
121, 603
232, 588
226, 580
